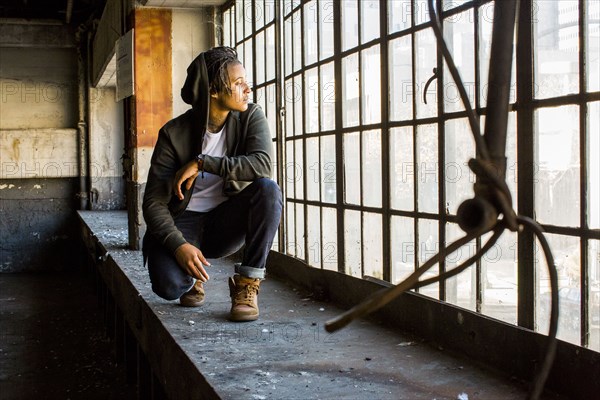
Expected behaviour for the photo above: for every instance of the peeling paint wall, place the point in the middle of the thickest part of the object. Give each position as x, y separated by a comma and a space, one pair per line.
39, 87
107, 146
190, 35
38, 146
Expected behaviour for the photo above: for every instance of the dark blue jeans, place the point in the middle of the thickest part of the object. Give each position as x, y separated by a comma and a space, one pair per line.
249, 218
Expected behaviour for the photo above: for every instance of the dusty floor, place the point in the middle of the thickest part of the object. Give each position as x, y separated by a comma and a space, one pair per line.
52, 340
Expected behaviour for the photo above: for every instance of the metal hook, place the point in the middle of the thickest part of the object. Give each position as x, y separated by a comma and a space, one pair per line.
435, 75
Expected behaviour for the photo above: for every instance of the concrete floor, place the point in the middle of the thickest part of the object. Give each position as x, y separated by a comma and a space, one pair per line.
52, 341
286, 354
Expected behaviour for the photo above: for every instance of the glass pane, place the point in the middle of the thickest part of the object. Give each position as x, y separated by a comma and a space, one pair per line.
556, 48
311, 100
400, 76
271, 110
565, 250
450, 4
259, 98
291, 229
350, 98
248, 61
298, 126
330, 247
486, 19
300, 231
349, 24
594, 293
259, 13
239, 20
327, 97
371, 168
427, 168
275, 163
314, 236
310, 32
369, 20
371, 85
461, 289
290, 98
328, 169
312, 169
287, 7
247, 18
352, 168
557, 181
593, 46
402, 169
299, 166
297, 39
240, 52
594, 165
260, 58
288, 50
403, 248
270, 50
459, 34
511, 155
326, 8
460, 147
499, 278
398, 15
428, 247
421, 12
372, 248
291, 172
269, 10
352, 243
426, 61
227, 28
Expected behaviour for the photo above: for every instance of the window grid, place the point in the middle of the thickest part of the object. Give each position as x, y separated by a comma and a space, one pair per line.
305, 201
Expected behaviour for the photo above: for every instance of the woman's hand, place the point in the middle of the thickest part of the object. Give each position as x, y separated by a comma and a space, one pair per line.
192, 261
186, 174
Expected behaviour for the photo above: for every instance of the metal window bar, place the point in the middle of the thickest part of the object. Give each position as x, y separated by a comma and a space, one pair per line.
525, 107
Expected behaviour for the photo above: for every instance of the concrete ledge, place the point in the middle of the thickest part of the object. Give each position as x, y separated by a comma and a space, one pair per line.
514, 350
198, 354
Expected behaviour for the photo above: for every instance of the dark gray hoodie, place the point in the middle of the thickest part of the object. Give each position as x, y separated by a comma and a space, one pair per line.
248, 156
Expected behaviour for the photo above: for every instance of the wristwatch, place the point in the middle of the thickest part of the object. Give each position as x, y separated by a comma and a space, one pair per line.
200, 161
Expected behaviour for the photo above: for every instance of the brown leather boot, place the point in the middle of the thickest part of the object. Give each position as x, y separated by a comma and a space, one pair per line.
193, 297
244, 298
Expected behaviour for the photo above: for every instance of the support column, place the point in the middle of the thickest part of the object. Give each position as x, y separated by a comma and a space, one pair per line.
151, 106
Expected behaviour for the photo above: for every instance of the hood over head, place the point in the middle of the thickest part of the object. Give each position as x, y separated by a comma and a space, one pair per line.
195, 90
207, 72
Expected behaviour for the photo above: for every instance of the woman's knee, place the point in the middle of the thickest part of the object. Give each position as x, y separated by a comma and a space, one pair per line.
168, 280
268, 188
168, 290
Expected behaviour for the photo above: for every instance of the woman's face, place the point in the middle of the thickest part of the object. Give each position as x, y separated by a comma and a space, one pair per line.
240, 91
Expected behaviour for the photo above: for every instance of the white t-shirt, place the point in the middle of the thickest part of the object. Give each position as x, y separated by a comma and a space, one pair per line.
208, 191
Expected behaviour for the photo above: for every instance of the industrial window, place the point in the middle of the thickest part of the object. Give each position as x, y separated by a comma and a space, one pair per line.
374, 160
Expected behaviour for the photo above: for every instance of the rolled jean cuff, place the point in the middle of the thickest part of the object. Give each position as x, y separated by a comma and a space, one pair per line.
249, 272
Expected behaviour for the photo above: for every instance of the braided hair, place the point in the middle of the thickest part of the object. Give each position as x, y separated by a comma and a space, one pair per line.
217, 60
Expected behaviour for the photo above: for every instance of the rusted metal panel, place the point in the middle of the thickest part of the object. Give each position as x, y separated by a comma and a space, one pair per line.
153, 94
